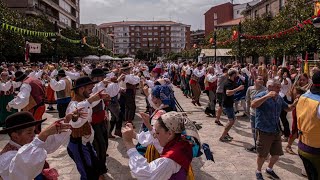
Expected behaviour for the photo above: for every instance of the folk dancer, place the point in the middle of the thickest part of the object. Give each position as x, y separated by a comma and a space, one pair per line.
80, 147
30, 98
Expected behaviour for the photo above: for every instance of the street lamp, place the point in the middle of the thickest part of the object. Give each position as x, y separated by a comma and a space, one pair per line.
215, 46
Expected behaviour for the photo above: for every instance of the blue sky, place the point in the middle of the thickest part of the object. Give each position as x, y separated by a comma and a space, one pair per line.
184, 11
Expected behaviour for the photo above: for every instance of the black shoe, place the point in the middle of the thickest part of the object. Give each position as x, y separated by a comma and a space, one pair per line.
50, 108
271, 174
252, 149
259, 176
229, 136
225, 139
207, 111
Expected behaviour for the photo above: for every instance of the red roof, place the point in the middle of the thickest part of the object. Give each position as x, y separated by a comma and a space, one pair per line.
233, 22
139, 23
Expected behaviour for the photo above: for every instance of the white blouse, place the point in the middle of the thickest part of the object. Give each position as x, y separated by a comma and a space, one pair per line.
132, 79
161, 168
28, 161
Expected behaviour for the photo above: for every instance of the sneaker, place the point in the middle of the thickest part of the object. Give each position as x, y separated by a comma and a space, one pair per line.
225, 139
271, 174
259, 176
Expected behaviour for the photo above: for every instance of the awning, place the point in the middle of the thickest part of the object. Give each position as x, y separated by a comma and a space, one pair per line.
220, 53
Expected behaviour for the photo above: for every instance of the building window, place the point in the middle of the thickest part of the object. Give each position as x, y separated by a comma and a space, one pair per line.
155, 33
144, 33
144, 28
149, 33
267, 8
132, 28
238, 11
144, 45
215, 16
162, 28
132, 34
167, 28
256, 13
168, 33
65, 6
137, 40
155, 28
144, 39
162, 39
156, 39
167, 44
149, 28
138, 34
215, 22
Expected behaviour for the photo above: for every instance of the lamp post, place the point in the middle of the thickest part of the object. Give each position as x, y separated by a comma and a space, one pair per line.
215, 45
54, 40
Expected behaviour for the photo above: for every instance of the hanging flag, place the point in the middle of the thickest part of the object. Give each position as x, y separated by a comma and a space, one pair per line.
284, 61
27, 49
306, 65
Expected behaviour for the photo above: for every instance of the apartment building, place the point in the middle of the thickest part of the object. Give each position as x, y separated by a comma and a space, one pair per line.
197, 38
271, 7
65, 12
94, 30
130, 36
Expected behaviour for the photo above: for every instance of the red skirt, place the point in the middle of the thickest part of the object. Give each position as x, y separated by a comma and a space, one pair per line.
50, 96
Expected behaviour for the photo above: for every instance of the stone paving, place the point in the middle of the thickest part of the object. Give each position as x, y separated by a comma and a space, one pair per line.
232, 161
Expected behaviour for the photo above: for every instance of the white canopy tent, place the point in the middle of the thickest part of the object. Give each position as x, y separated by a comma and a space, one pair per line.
128, 59
116, 59
91, 57
106, 57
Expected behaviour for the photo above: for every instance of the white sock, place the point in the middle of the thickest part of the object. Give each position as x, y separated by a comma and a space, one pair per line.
269, 169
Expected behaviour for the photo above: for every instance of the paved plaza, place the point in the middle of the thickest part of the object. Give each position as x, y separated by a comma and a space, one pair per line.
232, 161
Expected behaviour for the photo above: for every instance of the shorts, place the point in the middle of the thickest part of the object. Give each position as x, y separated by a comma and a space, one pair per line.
268, 143
219, 98
230, 113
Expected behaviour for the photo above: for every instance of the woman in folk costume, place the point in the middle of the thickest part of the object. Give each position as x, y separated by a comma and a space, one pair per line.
176, 151
7, 88
50, 99
24, 157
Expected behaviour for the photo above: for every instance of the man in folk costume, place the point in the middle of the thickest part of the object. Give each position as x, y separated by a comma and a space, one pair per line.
80, 147
7, 88
62, 86
308, 115
194, 83
131, 82
24, 157
99, 115
30, 98
76, 73
210, 83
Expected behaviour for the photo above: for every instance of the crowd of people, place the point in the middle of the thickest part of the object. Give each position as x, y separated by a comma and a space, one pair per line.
97, 101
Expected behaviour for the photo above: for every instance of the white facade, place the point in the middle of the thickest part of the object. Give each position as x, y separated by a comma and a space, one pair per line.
178, 38
239, 8
121, 40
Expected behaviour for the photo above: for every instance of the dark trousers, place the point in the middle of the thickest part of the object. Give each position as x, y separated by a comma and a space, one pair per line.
62, 108
284, 120
311, 168
114, 108
100, 142
130, 105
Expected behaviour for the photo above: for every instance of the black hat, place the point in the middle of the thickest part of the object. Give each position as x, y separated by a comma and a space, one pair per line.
97, 73
62, 73
126, 66
83, 81
106, 70
20, 76
19, 120
315, 88
79, 67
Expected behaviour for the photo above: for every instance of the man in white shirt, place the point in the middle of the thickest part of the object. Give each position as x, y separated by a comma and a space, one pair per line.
30, 98
24, 157
62, 87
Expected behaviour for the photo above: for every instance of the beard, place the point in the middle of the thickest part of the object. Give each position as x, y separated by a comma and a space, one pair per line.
86, 94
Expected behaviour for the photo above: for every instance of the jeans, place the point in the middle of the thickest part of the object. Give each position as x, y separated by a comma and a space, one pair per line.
253, 129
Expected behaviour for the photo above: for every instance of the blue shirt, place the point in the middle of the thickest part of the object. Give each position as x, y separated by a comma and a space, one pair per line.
268, 114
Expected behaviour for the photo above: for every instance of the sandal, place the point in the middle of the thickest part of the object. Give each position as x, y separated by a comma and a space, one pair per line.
290, 151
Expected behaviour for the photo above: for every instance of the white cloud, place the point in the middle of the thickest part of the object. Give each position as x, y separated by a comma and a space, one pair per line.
184, 11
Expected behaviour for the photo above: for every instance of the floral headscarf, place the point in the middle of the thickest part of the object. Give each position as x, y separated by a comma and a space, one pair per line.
165, 94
